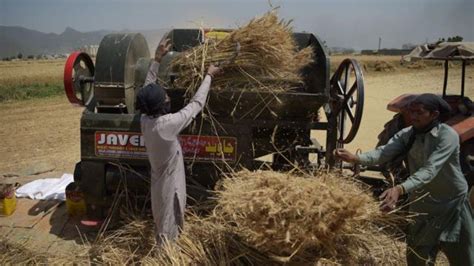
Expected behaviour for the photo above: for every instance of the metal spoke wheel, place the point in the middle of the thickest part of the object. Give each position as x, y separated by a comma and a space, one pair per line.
347, 93
78, 78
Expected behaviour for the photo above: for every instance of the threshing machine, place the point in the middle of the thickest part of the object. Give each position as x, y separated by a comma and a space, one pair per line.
240, 131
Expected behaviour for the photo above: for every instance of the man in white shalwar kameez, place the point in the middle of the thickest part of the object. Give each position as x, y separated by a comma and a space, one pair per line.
160, 130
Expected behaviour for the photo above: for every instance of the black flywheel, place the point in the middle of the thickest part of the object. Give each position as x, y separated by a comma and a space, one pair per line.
347, 99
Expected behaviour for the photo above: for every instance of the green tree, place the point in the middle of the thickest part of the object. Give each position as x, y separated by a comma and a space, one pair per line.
456, 38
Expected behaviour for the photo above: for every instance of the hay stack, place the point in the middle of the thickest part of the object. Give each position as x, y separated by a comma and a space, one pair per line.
274, 218
268, 58
299, 219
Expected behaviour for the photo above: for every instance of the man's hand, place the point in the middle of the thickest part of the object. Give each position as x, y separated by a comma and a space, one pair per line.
213, 71
162, 49
346, 156
390, 198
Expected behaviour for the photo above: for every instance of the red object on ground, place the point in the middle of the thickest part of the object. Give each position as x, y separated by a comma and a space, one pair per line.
92, 223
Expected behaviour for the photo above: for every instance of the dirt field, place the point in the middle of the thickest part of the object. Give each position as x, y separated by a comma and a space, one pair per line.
39, 131
42, 135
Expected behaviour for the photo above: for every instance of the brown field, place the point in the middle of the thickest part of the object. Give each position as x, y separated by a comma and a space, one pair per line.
46, 131
31, 72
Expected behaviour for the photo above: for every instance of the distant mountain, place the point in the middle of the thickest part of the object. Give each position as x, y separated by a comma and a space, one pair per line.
14, 40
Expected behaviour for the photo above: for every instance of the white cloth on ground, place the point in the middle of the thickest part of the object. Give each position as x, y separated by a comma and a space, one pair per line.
46, 189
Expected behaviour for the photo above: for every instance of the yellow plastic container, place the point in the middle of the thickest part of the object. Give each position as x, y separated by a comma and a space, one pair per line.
7, 199
75, 203
217, 35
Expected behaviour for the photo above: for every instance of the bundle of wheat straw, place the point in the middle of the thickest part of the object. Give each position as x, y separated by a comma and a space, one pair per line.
268, 60
298, 219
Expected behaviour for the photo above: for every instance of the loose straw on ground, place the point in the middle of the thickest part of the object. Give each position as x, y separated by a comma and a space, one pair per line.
266, 217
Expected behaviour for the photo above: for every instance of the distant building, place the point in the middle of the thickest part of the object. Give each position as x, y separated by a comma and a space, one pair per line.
368, 52
386, 52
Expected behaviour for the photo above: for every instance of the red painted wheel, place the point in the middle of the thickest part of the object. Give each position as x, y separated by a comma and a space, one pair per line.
78, 78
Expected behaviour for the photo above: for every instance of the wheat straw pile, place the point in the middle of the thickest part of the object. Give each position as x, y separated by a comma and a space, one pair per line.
265, 218
300, 219
268, 60
126, 245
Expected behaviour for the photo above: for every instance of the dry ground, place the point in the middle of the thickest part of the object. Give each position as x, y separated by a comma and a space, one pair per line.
39, 131
46, 131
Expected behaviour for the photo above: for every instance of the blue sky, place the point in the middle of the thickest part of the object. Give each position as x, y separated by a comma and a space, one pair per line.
346, 23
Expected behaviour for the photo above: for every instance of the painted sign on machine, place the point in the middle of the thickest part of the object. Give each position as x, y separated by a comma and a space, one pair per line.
131, 145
